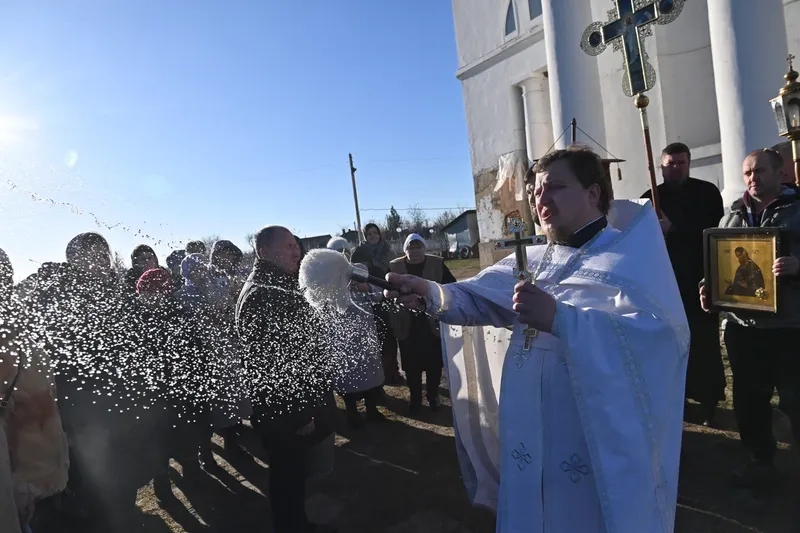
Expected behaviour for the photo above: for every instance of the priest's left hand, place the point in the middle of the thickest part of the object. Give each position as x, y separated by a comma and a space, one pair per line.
786, 266
361, 287
535, 307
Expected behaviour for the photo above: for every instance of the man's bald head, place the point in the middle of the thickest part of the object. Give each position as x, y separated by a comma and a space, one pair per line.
277, 245
265, 237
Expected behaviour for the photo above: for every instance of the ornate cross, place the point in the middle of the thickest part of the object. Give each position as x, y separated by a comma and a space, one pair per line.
516, 226
628, 24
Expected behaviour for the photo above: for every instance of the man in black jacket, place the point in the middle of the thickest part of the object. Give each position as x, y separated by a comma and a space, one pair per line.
289, 373
690, 206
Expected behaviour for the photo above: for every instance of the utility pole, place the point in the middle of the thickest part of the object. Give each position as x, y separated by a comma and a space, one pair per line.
355, 199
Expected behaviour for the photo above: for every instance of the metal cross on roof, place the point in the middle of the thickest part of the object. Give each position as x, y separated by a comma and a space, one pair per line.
629, 22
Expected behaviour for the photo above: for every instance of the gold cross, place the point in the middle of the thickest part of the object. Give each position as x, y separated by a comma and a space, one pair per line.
790, 58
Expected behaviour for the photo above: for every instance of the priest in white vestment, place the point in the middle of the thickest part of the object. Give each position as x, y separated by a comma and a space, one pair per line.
590, 416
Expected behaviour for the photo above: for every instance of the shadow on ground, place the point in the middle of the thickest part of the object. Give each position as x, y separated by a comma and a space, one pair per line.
402, 476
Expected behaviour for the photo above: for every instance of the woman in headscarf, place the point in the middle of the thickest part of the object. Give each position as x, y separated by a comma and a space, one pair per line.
377, 254
420, 343
174, 260
357, 351
233, 406
143, 258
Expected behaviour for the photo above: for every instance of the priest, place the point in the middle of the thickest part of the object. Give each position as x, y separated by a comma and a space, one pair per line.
591, 395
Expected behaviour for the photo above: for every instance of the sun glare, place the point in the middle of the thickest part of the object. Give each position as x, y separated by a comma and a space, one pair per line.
14, 128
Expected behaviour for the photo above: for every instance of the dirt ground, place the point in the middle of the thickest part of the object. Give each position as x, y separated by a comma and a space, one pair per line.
403, 476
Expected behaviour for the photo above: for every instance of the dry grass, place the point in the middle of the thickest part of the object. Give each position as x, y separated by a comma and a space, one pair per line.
464, 268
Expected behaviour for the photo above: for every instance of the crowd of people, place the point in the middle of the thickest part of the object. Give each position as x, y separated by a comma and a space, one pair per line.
105, 378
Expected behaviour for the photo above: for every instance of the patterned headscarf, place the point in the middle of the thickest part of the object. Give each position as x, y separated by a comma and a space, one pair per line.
191, 266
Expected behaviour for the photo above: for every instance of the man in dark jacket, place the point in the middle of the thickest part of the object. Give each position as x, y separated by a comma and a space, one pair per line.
288, 371
690, 206
762, 348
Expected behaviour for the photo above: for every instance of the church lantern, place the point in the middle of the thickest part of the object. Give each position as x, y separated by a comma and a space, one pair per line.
786, 108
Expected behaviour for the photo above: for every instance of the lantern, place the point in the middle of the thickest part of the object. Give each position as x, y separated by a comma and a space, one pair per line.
786, 108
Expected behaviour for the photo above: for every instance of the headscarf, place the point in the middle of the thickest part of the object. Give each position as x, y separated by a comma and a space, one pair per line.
155, 281
191, 266
195, 247
223, 245
140, 250
411, 238
339, 244
174, 259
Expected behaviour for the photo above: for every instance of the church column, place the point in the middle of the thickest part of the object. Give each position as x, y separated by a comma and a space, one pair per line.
572, 74
538, 124
520, 146
748, 47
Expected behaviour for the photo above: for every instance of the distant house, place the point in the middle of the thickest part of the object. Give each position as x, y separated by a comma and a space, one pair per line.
462, 235
320, 241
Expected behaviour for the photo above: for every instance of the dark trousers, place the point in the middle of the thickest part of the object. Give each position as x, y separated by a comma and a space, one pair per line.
433, 377
391, 369
761, 361
371, 399
287, 485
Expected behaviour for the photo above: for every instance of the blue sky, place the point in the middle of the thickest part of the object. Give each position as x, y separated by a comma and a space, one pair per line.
178, 119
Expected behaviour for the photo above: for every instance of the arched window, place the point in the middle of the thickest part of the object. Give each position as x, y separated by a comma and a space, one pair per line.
511, 19
535, 8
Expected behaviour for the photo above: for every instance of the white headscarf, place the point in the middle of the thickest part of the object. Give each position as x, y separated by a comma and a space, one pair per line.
411, 238
340, 245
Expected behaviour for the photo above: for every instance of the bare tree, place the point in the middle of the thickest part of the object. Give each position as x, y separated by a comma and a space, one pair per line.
417, 221
209, 242
442, 219
250, 238
118, 264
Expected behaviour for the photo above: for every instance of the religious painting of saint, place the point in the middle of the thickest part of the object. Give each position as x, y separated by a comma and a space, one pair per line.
739, 268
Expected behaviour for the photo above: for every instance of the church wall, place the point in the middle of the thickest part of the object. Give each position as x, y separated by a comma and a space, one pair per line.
480, 26
792, 13
471, 19
492, 124
491, 114
686, 78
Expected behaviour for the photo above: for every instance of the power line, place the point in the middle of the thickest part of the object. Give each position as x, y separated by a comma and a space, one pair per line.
414, 159
422, 209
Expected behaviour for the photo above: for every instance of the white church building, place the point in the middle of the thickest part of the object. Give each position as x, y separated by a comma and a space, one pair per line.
525, 77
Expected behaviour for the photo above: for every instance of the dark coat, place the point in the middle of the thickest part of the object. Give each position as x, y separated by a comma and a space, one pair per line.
285, 357
692, 206
784, 213
82, 323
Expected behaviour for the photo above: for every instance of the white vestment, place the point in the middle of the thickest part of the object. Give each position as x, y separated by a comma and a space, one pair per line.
581, 433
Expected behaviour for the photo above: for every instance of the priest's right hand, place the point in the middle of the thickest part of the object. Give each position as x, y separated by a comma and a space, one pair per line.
410, 289
704, 298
